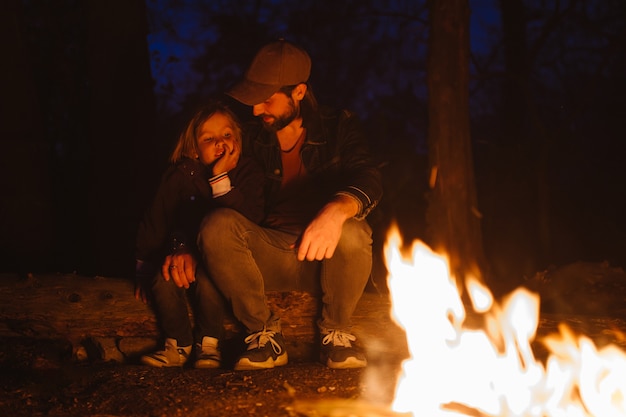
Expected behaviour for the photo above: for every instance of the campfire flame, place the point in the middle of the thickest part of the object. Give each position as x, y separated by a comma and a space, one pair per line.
457, 370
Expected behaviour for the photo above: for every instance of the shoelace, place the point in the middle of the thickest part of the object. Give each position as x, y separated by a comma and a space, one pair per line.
339, 338
170, 345
260, 339
163, 356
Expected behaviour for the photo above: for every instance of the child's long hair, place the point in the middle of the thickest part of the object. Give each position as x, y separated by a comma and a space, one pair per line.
187, 145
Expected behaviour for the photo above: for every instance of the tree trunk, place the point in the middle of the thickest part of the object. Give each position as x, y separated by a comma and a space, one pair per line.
517, 174
453, 215
121, 120
26, 218
76, 130
528, 145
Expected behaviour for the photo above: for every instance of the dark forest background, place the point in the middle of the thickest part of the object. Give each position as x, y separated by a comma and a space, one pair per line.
93, 96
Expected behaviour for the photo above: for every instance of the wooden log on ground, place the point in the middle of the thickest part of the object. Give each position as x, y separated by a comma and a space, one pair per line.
100, 317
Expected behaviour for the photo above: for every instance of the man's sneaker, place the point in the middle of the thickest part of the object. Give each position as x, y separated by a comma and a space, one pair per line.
207, 353
266, 349
338, 352
172, 355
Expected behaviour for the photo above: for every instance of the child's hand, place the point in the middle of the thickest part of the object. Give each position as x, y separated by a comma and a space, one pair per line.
180, 267
141, 293
144, 272
232, 151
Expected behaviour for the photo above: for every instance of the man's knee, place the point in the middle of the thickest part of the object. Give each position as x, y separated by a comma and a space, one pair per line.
355, 235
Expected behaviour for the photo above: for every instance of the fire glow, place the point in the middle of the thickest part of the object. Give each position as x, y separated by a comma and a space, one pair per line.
455, 370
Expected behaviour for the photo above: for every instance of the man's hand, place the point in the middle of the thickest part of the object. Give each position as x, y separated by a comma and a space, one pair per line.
180, 267
229, 160
322, 235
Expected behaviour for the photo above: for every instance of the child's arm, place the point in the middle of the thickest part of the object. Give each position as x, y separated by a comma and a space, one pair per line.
154, 231
247, 193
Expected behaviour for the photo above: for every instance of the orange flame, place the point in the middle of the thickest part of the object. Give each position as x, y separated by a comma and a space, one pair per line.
454, 370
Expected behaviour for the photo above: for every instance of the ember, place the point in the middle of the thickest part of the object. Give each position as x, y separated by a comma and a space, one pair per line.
455, 370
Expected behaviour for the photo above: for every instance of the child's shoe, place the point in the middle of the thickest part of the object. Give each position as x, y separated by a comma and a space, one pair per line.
207, 353
172, 355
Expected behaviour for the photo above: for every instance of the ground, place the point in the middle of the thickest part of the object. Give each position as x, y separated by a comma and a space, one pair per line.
41, 375
133, 390
70, 346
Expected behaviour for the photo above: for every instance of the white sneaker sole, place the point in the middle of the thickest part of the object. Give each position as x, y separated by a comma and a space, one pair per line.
245, 364
350, 363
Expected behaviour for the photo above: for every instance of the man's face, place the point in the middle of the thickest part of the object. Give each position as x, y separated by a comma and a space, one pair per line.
277, 111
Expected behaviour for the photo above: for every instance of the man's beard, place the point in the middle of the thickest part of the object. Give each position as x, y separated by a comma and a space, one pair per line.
282, 121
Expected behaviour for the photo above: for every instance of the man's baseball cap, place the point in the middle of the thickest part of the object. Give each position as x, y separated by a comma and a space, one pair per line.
276, 65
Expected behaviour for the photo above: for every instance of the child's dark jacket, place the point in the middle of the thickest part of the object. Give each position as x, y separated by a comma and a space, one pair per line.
184, 197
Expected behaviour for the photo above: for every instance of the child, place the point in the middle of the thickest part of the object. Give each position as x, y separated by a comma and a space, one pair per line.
206, 171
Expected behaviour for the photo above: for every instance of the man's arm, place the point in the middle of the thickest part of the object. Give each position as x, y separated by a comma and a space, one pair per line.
361, 175
322, 235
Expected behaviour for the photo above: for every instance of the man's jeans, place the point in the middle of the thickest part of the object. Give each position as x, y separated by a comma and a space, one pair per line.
172, 311
245, 260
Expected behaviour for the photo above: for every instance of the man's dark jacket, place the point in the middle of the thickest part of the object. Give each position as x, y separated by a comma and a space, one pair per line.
335, 155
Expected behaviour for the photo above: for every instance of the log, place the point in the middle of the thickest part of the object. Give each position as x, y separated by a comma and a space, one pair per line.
100, 318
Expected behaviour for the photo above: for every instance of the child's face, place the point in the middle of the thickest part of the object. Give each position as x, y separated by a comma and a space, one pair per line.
215, 139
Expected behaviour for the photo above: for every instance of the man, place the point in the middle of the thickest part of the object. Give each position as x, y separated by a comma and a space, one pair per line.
321, 184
